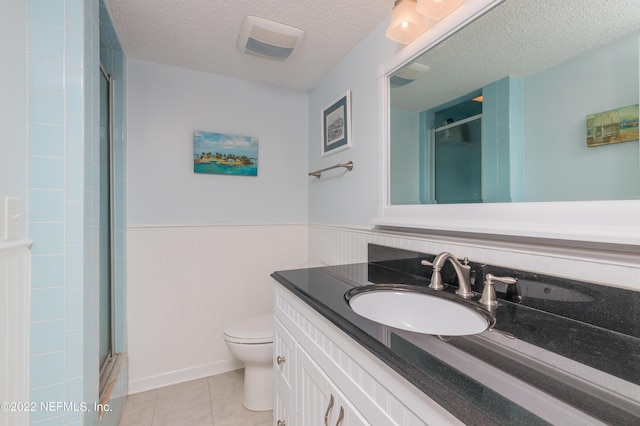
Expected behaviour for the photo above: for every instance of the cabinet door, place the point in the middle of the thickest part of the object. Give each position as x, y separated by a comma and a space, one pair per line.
284, 349
283, 415
320, 402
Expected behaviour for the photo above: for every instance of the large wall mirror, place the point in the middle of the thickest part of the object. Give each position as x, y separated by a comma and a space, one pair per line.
534, 103
506, 109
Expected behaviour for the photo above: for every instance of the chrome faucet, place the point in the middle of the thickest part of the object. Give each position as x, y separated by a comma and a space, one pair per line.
463, 270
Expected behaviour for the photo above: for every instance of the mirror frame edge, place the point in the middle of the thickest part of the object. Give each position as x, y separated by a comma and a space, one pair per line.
586, 221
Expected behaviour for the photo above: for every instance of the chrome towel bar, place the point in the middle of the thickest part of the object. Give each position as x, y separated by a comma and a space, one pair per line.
348, 166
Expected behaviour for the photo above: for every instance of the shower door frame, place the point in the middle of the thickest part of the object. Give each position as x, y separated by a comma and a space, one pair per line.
107, 364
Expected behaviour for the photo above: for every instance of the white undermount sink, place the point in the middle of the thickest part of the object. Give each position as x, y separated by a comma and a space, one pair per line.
419, 309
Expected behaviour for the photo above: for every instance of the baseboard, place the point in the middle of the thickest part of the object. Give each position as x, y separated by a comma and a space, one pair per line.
184, 375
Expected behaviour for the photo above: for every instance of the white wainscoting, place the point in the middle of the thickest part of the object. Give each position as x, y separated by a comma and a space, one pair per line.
333, 245
185, 284
15, 283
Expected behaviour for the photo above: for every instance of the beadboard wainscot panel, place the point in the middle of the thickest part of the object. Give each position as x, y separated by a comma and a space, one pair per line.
334, 245
186, 283
15, 287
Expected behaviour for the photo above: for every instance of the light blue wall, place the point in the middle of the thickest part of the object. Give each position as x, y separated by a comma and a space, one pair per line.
351, 199
556, 103
405, 157
166, 104
63, 133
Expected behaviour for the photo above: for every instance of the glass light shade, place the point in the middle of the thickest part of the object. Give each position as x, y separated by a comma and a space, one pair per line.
406, 24
437, 9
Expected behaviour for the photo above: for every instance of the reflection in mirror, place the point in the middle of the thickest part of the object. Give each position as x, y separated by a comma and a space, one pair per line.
498, 111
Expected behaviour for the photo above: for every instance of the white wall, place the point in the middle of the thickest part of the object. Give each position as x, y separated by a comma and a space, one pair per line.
201, 248
185, 284
166, 105
13, 108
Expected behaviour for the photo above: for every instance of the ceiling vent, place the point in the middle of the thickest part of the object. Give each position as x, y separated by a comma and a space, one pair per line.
408, 74
268, 39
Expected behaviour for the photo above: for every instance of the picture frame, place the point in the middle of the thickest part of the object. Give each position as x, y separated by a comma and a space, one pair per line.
613, 126
336, 125
225, 154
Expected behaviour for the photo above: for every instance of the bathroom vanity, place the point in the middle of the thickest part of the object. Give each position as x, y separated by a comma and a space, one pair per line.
556, 355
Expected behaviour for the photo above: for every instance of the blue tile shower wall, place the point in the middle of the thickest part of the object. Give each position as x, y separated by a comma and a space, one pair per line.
502, 141
63, 135
47, 204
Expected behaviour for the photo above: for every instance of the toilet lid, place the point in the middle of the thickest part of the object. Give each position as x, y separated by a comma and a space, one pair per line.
258, 329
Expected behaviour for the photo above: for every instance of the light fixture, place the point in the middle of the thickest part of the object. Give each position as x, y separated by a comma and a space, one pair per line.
437, 9
407, 19
406, 24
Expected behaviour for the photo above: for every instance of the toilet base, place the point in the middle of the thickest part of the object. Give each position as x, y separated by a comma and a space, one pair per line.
259, 387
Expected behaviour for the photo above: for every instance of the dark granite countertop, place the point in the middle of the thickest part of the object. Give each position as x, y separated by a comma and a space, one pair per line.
415, 356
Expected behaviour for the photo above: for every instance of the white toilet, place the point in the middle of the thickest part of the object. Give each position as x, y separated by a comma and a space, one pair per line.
251, 341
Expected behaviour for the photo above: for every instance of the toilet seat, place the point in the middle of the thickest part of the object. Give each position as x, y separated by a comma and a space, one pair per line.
253, 330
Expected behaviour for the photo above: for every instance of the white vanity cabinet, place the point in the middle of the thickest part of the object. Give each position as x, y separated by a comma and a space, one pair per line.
321, 372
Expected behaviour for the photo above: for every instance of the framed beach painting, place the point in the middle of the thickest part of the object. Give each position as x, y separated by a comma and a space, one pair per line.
223, 154
617, 125
336, 125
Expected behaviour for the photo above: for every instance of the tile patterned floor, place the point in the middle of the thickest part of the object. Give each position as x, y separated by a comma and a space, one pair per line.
212, 401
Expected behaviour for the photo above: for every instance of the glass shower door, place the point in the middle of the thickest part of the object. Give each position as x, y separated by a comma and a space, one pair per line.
458, 162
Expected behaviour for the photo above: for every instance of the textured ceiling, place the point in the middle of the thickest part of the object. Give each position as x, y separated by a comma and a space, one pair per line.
202, 34
517, 38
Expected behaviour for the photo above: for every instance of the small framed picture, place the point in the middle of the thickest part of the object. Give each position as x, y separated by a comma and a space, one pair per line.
336, 125
617, 125
224, 154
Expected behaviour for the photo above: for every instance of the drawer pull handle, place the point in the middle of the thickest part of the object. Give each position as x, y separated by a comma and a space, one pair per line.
329, 407
281, 423
340, 416
280, 360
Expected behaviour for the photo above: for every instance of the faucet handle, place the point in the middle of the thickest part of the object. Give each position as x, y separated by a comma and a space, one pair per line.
436, 268
489, 293
436, 278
